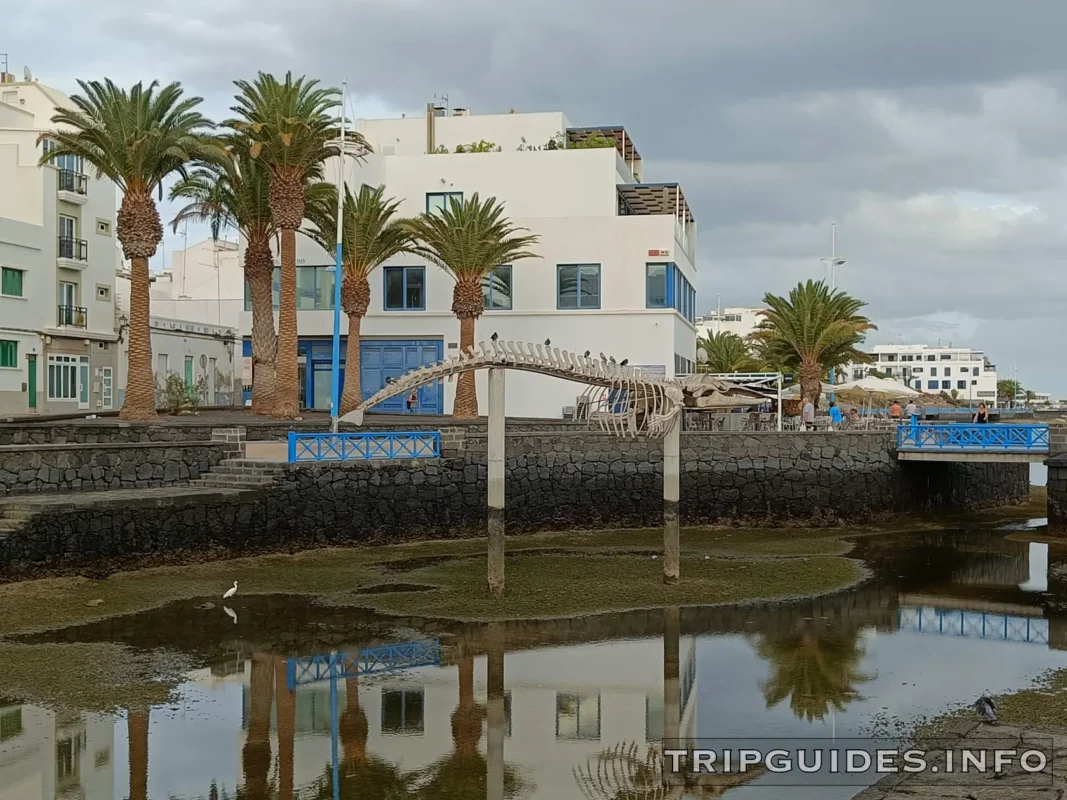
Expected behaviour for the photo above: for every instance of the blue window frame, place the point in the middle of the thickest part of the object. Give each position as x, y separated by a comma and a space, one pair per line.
435, 201
656, 277
405, 288
681, 296
931, 384
577, 286
497, 289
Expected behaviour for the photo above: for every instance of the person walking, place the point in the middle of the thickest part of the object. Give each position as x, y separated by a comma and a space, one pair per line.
835, 417
982, 415
807, 416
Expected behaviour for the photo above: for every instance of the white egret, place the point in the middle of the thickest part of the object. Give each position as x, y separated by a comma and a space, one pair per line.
230, 592
230, 613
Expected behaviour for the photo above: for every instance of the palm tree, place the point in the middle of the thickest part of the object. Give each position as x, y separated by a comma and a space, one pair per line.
813, 329
1008, 390
256, 754
291, 129
136, 139
725, 352
137, 734
370, 236
816, 671
234, 193
468, 240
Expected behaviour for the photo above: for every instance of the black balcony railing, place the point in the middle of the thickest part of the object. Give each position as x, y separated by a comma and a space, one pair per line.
76, 249
72, 316
71, 181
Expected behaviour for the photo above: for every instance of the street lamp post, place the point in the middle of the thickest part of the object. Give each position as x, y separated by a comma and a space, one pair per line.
335, 367
833, 262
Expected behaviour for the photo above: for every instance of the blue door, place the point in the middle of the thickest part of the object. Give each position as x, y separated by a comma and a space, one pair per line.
380, 360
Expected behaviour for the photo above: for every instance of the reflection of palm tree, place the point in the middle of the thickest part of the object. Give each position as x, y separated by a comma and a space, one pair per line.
256, 755
354, 726
137, 730
286, 701
462, 774
817, 671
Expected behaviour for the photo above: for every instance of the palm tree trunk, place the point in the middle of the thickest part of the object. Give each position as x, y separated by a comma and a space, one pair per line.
140, 402
286, 703
810, 374
355, 300
466, 405
137, 732
287, 404
259, 269
353, 726
256, 755
467, 718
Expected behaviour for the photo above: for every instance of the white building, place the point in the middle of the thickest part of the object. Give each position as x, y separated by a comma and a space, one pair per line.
615, 273
204, 283
959, 371
735, 319
57, 266
206, 356
47, 754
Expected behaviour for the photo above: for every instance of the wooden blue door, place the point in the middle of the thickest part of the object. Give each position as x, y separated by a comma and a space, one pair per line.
391, 359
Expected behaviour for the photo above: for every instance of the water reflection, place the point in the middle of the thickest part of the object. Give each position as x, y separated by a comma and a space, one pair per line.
550, 709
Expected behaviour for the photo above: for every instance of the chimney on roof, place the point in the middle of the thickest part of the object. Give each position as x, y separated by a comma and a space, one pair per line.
429, 128
461, 112
6, 77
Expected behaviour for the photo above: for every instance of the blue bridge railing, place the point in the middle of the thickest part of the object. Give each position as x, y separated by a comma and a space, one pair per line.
992, 437
974, 625
367, 661
370, 446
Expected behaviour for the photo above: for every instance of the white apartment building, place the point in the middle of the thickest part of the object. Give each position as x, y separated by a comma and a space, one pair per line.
204, 283
615, 273
57, 266
959, 371
734, 319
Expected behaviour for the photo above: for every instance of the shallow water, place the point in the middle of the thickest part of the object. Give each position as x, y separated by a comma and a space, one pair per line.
946, 617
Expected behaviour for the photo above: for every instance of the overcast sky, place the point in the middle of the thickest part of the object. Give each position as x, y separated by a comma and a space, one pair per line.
933, 133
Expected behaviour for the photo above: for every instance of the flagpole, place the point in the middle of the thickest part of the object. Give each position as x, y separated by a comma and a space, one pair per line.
335, 369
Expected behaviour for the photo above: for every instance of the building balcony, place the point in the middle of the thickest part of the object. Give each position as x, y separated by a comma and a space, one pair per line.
660, 199
73, 187
73, 253
72, 317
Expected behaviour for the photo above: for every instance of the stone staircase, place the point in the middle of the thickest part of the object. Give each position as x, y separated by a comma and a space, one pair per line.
240, 473
13, 515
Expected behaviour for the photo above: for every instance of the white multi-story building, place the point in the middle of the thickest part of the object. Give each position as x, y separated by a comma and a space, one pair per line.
736, 320
959, 371
204, 284
615, 271
57, 266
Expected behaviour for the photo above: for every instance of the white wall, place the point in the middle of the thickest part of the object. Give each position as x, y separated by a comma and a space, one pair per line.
407, 137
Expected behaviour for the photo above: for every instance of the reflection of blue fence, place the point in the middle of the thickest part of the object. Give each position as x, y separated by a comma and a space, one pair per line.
974, 625
371, 446
980, 438
368, 661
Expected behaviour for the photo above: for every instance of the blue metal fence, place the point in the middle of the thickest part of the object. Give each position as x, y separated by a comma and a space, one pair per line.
370, 446
974, 625
997, 437
368, 661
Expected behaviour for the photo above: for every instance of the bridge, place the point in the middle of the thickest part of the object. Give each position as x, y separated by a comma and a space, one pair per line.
955, 442
960, 623
366, 661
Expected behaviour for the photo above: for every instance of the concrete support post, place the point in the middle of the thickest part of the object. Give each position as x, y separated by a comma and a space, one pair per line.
495, 718
496, 483
672, 687
672, 458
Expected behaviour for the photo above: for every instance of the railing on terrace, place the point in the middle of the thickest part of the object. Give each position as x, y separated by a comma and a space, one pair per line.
369, 661
369, 446
71, 181
991, 437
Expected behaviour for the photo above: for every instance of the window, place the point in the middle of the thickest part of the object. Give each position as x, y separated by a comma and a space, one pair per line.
9, 353
948, 371
103, 227
496, 289
402, 711
933, 371
436, 201
961, 384
578, 716
656, 285
889, 356
946, 356
68, 293
405, 288
11, 282
946, 384
654, 718
10, 723
578, 286
103, 292
69, 162
13, 97
931, 384
68, 227
682, 296
917, 370
931, 358
974, 371
62, 377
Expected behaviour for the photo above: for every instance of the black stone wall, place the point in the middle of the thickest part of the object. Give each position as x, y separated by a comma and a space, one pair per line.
71, 468
559, 481
1057, 494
